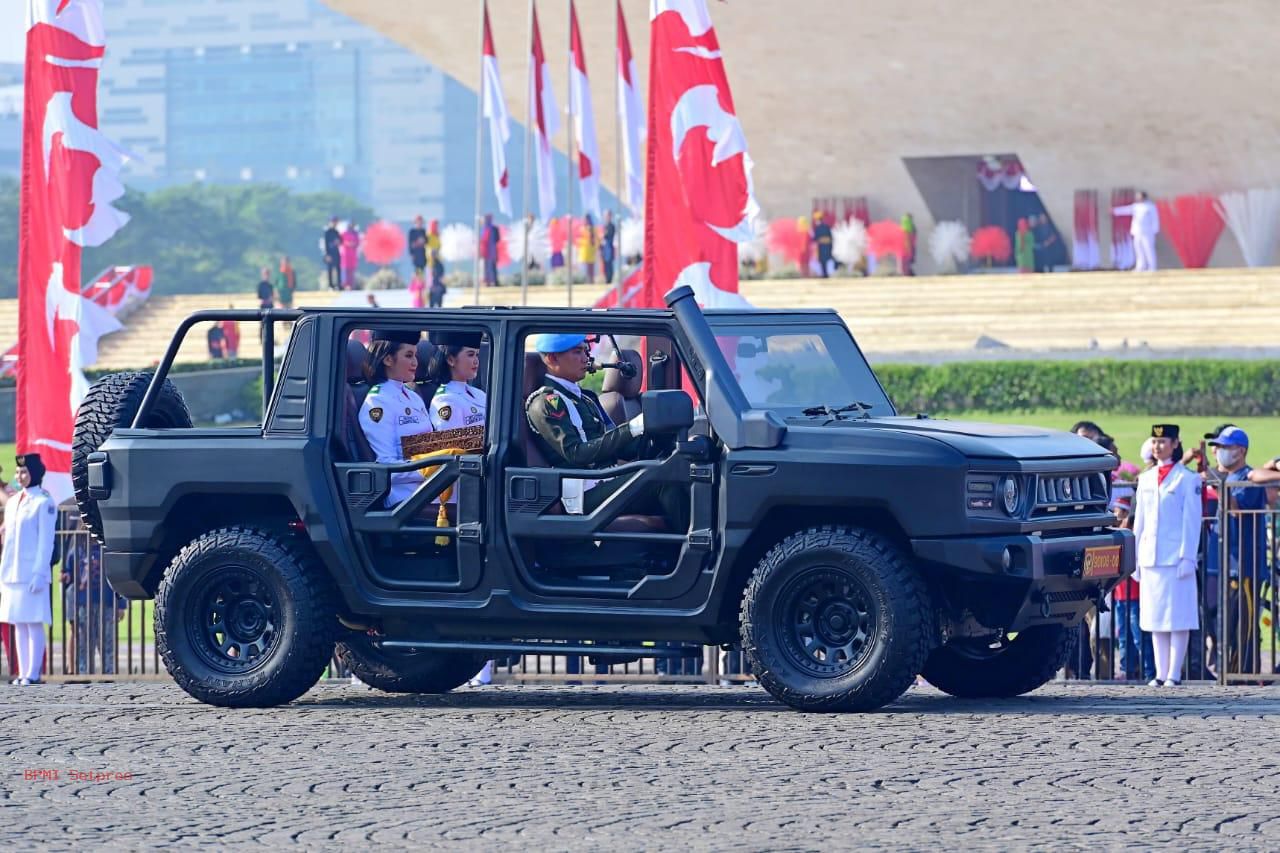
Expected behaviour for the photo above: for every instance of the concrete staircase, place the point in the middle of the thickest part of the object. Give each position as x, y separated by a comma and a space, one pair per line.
1172, 309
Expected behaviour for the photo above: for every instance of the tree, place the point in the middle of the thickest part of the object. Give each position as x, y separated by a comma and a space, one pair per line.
203, 238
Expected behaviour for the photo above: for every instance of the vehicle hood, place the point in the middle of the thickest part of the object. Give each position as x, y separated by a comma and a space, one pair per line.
976, 440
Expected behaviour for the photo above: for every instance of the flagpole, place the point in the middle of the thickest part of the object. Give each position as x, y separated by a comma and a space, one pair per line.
524, 190
617, 151
475, 267
569, 239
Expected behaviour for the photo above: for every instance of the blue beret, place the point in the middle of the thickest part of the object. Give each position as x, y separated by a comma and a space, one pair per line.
557, 343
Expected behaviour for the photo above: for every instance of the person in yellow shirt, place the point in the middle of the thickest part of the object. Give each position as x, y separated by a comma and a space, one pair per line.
587, 242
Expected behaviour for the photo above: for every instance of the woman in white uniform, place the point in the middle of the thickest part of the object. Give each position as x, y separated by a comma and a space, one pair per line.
457, 403
392, 409
1166, 525
25, 572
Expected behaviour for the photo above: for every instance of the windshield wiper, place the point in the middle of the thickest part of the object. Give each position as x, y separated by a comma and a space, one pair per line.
863, 410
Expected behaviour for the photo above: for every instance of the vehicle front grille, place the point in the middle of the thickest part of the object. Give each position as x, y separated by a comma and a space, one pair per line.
1070, 494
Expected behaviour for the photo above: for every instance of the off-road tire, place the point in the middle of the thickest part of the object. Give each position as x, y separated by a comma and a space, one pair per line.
408, 671
223, 577
1030, 660
894, 619
109, 404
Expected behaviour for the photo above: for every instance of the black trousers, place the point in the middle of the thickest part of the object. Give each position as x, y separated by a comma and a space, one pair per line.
607, 263
334, 274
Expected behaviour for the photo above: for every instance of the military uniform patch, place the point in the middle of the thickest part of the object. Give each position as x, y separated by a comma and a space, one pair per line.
375, 414
446, 412
555, 406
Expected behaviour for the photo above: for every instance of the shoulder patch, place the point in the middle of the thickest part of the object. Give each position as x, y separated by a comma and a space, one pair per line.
440, 390
375, 414
446, 412
555, 405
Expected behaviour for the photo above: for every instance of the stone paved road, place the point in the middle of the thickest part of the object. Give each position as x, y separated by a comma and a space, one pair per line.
1072, 767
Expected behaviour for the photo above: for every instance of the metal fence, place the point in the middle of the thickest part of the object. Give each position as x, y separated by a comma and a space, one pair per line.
1239, 533
98, 635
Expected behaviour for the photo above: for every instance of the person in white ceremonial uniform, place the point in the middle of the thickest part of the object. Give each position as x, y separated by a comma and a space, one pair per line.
454, 366
1166, 524
393, 410
1144, 227
457, 403
25, 566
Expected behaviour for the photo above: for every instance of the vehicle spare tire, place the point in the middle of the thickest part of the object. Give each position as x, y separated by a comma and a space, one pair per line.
111, 403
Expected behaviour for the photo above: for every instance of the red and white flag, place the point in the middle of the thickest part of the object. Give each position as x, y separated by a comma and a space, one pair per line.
495, 110
584, 120
699, 201
70, 176
546, 123
631, 116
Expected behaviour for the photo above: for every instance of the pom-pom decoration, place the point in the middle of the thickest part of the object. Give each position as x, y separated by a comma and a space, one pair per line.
457, 243
756, 249
991, 245
539, 244
788, 240
383, 243
886, 237
949, 246
849, 242
631, 238
1192, 224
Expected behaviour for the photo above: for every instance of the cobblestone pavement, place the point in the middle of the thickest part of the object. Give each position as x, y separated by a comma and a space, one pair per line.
630, 767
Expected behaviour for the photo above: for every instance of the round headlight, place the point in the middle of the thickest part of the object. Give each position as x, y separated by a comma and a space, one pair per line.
1009, 492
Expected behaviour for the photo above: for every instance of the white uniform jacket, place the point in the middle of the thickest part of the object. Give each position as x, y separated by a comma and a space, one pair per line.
457, 404
391, 411
1166, 518
29, 521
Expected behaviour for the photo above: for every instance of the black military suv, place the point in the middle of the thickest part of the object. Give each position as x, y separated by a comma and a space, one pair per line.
846, 547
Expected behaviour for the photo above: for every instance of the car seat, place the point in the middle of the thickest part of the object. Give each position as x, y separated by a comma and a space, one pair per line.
355, 388
620, 395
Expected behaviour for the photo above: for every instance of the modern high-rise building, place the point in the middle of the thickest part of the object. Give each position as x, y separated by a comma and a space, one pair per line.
291, 93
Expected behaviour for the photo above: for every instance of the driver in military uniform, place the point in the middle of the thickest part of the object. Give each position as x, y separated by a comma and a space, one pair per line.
576, 432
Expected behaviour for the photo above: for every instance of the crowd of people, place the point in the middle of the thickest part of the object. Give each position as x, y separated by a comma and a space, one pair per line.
1172, 502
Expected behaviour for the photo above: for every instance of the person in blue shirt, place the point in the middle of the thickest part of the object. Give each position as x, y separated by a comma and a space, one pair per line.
1247, 555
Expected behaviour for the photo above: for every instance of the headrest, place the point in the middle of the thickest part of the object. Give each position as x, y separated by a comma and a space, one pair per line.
357, 355
426, 349
535, 373
615, 382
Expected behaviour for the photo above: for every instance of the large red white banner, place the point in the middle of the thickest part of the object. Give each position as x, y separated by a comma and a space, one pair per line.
546, 122
584, 119
70, 176
494, 105
699, 202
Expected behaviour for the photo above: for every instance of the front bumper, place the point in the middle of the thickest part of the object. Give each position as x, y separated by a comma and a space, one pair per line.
1044, 575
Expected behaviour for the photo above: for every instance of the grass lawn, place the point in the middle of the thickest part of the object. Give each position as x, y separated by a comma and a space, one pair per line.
1130, 431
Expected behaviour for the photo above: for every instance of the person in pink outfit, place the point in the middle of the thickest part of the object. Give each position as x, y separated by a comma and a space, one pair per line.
350, 256
418, 289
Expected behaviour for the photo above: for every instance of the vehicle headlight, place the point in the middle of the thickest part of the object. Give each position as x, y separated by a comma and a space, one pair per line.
1010, 494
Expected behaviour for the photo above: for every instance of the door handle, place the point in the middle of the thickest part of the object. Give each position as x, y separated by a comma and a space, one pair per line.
746, 469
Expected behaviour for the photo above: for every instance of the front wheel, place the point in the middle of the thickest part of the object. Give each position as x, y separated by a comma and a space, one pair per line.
1001, 667
407, 670
244, 619
835, 619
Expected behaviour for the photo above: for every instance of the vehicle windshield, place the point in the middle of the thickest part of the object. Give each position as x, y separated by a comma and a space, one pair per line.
792, 368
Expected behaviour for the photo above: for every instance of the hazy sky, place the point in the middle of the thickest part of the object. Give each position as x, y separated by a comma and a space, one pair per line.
12, 36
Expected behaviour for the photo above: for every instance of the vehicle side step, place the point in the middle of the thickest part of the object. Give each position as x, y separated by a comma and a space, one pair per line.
547, 647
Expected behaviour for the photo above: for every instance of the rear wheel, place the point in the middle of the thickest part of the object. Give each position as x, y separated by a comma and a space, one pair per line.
110, 404
244, 619
834, 619
1001, 667
407, 670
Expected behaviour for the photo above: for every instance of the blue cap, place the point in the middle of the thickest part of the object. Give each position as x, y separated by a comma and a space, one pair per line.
548, 343
1231, 437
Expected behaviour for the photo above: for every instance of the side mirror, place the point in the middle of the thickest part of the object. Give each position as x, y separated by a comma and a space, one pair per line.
666, 411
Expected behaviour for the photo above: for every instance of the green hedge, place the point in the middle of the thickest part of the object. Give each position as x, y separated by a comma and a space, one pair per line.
1189, 387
